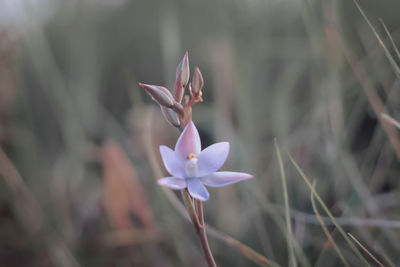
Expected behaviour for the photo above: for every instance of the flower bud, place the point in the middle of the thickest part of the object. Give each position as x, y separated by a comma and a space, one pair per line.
182, 77
171, 116
197, 82
160, 94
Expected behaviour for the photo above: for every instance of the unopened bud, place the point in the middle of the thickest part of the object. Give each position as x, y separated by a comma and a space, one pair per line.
171, 116
197, 82
182, 77
160, 94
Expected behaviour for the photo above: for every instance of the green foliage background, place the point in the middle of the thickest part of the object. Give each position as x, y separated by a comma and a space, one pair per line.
297, 71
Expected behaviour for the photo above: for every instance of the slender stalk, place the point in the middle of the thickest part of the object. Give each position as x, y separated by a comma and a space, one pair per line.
203, 236
198, 222
199, 206
187, 199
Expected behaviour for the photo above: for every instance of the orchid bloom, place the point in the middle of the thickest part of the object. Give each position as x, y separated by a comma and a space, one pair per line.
192, 168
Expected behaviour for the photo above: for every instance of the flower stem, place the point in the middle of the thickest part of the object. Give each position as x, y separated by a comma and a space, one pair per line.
198, 222
187, 199
203, 236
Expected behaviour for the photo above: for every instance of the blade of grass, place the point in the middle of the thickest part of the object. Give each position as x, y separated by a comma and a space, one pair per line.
344, 221
292, 258
378, 107
240, 247
388, 55
365, 250
325, 229
276, 217
373, 98
390, 38
321, 202
390, 120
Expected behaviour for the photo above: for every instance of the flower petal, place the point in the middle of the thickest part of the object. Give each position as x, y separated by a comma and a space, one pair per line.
212, 158
218, 179
197, 189
188, 142
172, 162
173, 182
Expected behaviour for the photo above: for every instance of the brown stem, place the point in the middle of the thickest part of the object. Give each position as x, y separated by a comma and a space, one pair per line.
203, 236
183, 112
187, 199
198, 222
200, 215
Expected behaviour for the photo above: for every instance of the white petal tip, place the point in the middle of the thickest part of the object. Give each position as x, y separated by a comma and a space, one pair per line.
172, 182
162, 147
200, 197
247, 176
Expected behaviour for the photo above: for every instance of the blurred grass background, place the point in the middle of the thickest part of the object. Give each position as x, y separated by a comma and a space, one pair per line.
79, 140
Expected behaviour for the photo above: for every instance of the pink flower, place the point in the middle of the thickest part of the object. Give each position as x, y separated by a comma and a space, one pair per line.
192, 168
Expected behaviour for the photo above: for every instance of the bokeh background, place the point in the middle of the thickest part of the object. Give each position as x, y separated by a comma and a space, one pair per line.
79, 139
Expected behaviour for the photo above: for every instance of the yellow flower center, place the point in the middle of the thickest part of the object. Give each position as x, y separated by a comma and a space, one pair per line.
191, 156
